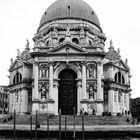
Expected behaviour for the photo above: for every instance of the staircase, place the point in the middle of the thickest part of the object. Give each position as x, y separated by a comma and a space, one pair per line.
54, 120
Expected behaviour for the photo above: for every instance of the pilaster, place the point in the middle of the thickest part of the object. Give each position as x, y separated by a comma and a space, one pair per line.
35, 74
79, 87
56, 85
99, 83
99, 89
110, 100
127, 101
51, 80
24, 103
84, 81
35, 95
123, 101
117, 110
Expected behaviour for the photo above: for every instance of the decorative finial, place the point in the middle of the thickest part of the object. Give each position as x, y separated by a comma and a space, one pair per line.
126, 61
27, 45
111, 46
12, 61
68, 30
118, 51
82, 34
18, 52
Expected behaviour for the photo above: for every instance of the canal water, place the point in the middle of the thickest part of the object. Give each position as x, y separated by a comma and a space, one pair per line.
121, 138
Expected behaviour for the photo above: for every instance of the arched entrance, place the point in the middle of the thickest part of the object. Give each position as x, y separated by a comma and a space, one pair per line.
67, 92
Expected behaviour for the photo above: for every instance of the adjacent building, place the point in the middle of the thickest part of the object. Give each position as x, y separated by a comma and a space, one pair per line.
4, 100
135, 107
68, 67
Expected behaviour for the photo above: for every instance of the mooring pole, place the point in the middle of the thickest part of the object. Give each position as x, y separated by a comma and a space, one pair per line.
31, 125
59, 124
47, 127
14, 135
83, 131
65, 127
36, 126
74, 124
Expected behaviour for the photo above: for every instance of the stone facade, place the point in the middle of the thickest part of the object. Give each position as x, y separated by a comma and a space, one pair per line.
4, 100
73, 49
135, 107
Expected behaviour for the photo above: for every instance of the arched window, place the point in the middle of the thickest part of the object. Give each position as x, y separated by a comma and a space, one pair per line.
119, 97
17, 78
116, 75
75, 40
119, 78
47, 43
14, 80
123, 81
61, 40
90, 43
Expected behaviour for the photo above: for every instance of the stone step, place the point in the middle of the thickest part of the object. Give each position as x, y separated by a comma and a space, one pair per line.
88, 120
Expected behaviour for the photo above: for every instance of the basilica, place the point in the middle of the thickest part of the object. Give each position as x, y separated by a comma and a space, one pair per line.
68, 68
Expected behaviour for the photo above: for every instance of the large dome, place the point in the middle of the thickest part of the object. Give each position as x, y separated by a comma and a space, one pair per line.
70, 9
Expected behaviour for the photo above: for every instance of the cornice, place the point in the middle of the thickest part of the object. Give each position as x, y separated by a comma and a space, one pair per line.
112, 64
24, 81
45, 54
111, 81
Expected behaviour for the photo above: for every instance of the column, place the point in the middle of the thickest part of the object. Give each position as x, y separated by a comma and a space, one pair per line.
10, 102
127, 101
111, 73
35, 94
24, 103
51, 80
79, 96
117, 102
56, 97
123, 102
35, 71
110, 101
99, 84
84, 81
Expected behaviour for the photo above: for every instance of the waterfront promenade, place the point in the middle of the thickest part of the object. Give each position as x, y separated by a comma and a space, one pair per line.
96, 128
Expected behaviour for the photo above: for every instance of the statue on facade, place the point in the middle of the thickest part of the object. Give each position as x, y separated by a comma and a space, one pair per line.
82, 33
18, 52
126, 61
118, 51
68, 30
91, 72
91, 92
44, 92
12, 61
43, 71
27, 44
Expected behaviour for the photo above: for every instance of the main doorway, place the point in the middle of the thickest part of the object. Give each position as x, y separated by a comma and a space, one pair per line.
67, 100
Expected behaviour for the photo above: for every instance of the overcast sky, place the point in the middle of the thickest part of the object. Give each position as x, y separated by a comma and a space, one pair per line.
119, 19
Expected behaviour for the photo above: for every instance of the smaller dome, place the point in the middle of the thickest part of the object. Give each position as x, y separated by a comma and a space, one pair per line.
70, 9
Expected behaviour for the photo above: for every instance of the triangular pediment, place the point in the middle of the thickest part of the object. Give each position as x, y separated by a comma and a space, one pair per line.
67, 48
120, 64
17, 64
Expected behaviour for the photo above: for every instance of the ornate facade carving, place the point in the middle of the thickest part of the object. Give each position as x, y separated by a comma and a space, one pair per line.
92, 90
91, 71
44, 70
44, 90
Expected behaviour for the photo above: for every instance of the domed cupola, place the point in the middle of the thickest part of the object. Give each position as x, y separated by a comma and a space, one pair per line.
69, 9
71, 21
